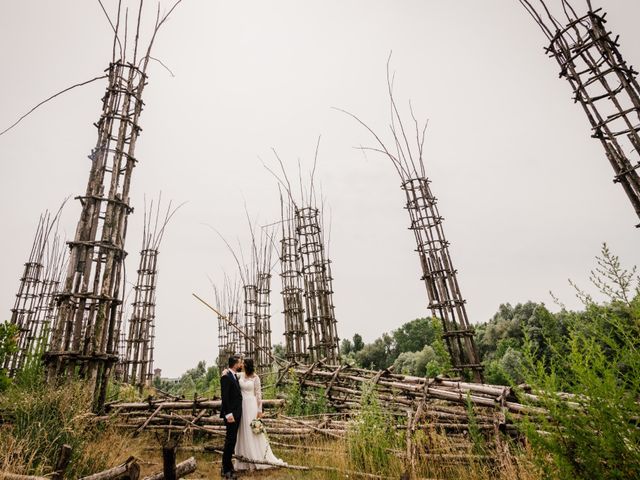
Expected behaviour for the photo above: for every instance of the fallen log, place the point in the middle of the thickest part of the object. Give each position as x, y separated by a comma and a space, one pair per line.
129, 470
17, 476
182, 469
184, 405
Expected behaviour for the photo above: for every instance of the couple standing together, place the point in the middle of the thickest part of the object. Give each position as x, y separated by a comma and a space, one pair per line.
241, 404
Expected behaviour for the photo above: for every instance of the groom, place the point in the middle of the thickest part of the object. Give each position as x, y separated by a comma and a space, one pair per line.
231, 412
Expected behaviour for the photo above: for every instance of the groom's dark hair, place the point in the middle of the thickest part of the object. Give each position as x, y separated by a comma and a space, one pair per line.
233, 360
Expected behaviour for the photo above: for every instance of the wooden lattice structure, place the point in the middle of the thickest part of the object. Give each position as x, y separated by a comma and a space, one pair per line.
257, 302
318, 286
602, 82
83, 341
295, 333
229, 325
138, 359
34, 305
248, 331
440, 277
305, 261
47, 307
250, 302
263, 321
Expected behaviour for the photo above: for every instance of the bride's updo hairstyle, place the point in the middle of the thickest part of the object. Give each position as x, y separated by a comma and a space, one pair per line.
248, 366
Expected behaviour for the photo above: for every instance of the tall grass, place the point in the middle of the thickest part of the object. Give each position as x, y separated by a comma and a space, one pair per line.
304, 401
372, 437
39, 419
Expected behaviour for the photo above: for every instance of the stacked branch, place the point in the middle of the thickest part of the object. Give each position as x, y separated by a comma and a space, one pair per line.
138, 360
605, 86
342, 385
83, 341
440, 277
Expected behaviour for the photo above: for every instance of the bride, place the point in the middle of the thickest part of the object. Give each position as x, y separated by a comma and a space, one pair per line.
251, 445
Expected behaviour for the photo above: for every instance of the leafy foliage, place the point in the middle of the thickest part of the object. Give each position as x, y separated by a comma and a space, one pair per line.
595, 435
200, 380
372, 436
416, 348
8, 345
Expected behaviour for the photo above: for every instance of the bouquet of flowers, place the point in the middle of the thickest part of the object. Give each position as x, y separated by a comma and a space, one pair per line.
257, 426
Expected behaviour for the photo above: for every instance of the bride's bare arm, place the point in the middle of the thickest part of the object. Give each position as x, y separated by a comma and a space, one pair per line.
257, 390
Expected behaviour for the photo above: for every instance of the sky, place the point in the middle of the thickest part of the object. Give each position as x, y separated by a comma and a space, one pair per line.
526, 195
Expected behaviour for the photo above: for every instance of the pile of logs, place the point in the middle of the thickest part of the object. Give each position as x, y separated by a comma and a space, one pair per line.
202, 415
342, 385
427, 402
182, 416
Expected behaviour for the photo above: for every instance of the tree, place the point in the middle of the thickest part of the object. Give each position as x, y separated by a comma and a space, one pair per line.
346, 347
377, 355
414, 335
415, 363
278, 350
358, 344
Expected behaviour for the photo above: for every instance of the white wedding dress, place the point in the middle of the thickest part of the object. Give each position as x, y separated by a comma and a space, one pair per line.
250, 445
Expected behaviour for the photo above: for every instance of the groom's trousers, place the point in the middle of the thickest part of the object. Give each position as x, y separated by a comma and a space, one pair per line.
229, 445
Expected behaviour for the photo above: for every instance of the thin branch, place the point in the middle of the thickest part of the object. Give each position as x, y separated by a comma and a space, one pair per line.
116, 39
51, 98
162, 63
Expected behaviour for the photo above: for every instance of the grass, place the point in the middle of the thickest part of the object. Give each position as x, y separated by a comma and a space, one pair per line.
39, 419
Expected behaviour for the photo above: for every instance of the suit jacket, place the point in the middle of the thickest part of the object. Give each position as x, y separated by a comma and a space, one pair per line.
231, 396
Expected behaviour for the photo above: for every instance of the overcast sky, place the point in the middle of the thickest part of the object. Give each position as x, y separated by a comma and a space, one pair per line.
526, 194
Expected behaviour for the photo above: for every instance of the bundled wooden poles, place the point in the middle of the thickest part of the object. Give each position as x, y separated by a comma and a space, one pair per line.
318, 289
84, 339
263, 320
230, 341
295, 334
443, 291
602, 82
35, 305
440, 277
83, 336
138, 360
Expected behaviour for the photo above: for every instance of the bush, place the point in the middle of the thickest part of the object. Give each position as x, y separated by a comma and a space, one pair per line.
8, 335
595, 435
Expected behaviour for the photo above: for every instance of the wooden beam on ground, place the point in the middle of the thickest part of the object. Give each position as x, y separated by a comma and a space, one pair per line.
182, 469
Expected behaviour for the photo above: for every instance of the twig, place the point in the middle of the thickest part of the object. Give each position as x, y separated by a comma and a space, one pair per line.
51, 98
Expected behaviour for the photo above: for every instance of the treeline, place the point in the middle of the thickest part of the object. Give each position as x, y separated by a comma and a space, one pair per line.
514, 338
201, 380
417, 348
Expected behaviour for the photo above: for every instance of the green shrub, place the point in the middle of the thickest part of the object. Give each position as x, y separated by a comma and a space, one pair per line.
8, 335
596, 434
